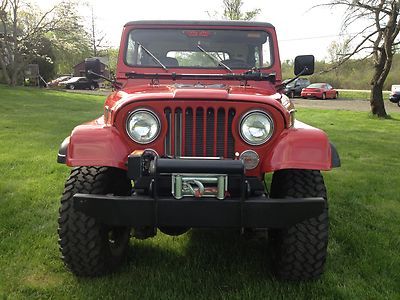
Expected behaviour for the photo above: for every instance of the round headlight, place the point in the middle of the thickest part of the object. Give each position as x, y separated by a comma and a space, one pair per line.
256, 128
143, 126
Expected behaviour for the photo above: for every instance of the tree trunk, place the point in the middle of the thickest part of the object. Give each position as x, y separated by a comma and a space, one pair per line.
376, 101
383, 63
5, 73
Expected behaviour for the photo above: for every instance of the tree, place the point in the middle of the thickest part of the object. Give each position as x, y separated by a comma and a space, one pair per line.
112, 54
233, 11
336, 51
24, 29
380, 23
45, 59
97, 37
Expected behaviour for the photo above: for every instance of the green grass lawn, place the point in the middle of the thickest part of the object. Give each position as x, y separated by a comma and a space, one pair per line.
359, 95
364, 243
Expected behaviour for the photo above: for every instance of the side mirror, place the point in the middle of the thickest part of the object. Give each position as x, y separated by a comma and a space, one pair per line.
92, 65
304, 65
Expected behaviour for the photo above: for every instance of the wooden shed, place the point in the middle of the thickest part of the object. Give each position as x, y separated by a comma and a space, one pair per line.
79, 69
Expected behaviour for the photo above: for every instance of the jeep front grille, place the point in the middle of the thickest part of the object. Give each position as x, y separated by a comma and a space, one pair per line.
199, 132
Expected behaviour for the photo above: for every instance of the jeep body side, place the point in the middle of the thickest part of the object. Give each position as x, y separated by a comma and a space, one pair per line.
196, 122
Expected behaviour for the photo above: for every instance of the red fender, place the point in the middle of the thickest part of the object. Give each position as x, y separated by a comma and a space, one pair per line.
300, 147
95, 144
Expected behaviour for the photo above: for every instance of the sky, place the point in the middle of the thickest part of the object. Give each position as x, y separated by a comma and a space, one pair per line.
301, 30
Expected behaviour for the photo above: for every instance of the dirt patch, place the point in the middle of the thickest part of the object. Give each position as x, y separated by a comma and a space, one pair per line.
42, 280
338, 104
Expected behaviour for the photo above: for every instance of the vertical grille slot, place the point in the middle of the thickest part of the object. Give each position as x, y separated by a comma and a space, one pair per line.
189, 132
178, 132
168, 137
210, 137
221, 132
231, 142
199, 132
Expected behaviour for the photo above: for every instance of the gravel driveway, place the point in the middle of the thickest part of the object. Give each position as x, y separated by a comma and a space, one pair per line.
355, 105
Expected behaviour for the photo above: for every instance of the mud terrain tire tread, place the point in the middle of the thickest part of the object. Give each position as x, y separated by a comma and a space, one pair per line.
300, 251
84, 242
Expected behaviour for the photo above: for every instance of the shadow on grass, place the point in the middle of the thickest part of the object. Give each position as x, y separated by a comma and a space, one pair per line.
387, 118
215, 251
391, 118
205, 263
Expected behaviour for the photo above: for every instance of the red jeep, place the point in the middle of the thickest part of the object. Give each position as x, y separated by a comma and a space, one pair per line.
196, 121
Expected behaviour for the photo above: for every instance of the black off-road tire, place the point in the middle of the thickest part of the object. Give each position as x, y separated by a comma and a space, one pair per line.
71, 87
299, 252
88, 247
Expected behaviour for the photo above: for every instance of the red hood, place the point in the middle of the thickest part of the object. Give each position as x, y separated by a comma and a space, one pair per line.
117, 100
178, 91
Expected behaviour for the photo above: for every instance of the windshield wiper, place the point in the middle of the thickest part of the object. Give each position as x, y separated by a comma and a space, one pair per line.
220, 63
153, 56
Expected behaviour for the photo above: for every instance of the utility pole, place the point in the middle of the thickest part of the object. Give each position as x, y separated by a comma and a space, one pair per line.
93, 35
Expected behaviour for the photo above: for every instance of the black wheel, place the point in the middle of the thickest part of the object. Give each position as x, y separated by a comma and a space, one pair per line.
92, 87
323, 96
299, 252
291, 94
71, 87
398, 104
88, 247
336, 95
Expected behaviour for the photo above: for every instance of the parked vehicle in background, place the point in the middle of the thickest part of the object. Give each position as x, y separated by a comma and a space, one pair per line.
55, 82
81, 83
395, 94
319, 90
295, 87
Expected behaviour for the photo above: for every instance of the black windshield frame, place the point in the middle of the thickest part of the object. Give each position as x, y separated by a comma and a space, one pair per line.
268, 42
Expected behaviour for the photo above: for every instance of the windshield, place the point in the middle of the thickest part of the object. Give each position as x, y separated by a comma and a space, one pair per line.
237, 49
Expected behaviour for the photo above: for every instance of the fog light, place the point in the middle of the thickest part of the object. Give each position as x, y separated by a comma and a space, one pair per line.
250, 159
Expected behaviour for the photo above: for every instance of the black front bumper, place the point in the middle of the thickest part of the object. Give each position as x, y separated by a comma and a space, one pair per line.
239, 210
142, 211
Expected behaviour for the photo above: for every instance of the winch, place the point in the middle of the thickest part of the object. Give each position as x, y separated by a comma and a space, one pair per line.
199, 185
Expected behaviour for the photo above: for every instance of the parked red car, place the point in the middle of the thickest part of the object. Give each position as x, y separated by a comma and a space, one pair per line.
319, 90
